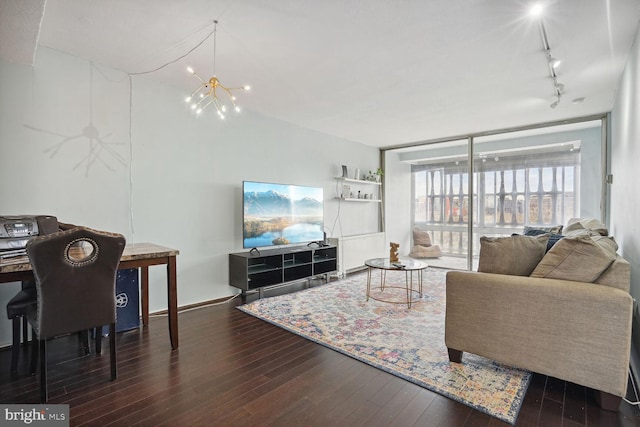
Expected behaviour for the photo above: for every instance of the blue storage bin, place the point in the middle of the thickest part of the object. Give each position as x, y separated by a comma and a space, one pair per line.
127, 301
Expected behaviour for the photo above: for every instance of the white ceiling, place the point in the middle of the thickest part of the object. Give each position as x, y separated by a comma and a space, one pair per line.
379, 72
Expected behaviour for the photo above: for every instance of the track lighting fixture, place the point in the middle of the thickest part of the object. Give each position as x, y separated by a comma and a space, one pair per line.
207, 93
553, 63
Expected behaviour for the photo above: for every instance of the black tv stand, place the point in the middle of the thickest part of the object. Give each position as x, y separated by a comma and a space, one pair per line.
254, 250
319, 244
256, 271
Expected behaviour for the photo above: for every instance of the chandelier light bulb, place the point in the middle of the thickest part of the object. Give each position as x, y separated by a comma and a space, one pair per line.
188, 99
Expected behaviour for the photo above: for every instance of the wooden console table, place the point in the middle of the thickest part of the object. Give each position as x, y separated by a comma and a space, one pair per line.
135, 255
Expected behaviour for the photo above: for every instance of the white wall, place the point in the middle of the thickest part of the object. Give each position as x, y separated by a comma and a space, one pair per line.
78, 144
625, 154
397, 211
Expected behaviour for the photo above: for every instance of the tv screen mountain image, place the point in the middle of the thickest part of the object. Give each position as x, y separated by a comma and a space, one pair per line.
281, 214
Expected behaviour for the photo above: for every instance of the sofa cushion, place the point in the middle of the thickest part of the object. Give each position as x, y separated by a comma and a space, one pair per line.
515, 255
579, 258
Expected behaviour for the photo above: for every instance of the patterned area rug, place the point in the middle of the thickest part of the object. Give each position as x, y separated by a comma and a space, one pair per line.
403, 342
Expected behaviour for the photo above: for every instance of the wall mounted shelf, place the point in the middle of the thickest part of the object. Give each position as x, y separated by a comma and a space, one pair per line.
349, 187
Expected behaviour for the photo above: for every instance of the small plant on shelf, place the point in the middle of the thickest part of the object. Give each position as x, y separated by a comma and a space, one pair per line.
375, 176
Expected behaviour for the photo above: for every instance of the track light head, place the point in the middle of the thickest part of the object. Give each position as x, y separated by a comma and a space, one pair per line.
536, 9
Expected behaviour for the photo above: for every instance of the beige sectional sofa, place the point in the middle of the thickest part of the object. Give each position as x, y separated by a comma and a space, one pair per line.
569, 317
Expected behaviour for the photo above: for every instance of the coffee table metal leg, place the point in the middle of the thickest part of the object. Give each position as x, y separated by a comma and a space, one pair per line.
368, 282
408, 281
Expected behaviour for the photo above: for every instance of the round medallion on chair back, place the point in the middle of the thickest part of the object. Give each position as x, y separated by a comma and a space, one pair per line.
80, 252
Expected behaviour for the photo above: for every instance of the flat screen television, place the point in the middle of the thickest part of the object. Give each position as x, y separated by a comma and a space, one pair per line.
281, 214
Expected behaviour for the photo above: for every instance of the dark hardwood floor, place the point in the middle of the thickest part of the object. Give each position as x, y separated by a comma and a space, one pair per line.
232, 369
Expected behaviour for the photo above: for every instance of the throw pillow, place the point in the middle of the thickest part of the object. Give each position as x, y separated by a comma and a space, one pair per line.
553, 237
578, 258
585, 223
556, 229
514, 255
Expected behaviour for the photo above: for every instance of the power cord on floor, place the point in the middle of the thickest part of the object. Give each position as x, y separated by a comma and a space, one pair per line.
635, 391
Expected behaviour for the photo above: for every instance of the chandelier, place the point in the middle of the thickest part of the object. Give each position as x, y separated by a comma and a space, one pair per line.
208, 91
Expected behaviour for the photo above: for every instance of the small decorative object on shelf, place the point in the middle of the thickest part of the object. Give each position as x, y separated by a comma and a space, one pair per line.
356, 175
346, 191
375, 176
393, 252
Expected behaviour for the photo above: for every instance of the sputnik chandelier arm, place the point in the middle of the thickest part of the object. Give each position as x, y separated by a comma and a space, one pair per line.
207, 93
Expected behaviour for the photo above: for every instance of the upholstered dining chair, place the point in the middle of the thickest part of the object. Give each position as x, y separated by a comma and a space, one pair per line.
75, 273
18, 306
17, 309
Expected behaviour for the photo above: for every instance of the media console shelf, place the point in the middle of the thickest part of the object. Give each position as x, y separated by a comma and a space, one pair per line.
256, 271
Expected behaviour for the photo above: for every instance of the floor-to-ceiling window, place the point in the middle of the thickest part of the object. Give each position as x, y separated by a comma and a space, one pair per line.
441, 196
538, 177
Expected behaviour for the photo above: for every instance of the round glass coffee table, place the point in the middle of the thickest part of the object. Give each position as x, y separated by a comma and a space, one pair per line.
404, 264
